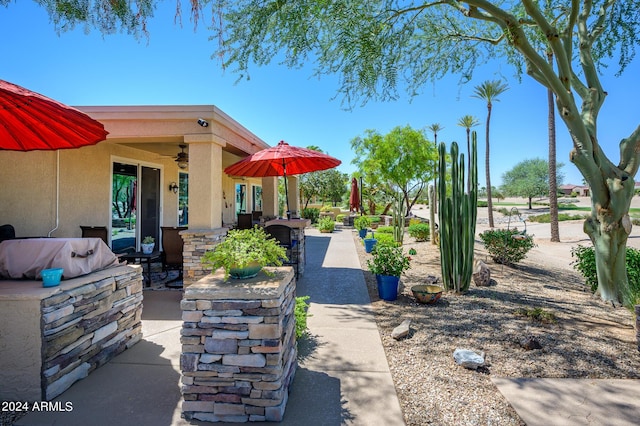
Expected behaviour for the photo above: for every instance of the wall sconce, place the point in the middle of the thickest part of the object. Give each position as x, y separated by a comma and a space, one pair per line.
174, 187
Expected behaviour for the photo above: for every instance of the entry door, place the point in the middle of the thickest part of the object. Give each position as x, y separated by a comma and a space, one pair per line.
150, 204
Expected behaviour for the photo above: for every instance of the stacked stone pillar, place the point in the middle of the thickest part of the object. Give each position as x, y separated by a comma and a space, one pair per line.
238, 347
196, 243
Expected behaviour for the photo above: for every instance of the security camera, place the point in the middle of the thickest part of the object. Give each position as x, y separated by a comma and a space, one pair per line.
203, 122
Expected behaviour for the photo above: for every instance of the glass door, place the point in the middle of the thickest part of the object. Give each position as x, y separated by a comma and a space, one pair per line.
135, 206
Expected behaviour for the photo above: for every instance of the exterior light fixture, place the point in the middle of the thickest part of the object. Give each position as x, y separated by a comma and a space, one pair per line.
174, 187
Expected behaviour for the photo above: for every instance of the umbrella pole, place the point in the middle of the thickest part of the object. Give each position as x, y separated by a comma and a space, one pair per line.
57, 191
286, 195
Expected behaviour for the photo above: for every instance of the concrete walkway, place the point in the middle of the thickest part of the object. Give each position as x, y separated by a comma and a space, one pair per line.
343, 376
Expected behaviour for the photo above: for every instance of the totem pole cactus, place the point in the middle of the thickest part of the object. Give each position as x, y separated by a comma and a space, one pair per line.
457, 216
432, 214
399, 214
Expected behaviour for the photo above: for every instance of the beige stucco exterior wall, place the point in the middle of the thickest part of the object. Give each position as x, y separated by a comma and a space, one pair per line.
21, 358
28, 191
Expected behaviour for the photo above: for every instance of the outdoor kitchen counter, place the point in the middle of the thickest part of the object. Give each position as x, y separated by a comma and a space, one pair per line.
51, 337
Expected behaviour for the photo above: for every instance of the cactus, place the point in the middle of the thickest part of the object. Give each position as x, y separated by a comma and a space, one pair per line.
399, 214
457, 216
432, 214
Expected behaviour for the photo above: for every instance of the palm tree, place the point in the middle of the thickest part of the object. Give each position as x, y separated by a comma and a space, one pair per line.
435, 128
468, 121
489, 91
553, 183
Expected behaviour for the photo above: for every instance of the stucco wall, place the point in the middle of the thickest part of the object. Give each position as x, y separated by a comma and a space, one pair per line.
20, 350
27, 193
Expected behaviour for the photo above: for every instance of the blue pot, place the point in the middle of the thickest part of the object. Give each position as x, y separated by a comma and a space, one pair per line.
387, 286
369, 244
362, 233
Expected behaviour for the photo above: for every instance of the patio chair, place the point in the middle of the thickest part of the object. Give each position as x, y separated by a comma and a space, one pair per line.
7, 232
255, 216
96, 232
172, 245
245, 221
284, 235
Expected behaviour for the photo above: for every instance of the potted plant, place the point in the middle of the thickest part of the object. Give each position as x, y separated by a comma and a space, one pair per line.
148, 243
361, 223
244, 252
369, 243
388, 263
326, 224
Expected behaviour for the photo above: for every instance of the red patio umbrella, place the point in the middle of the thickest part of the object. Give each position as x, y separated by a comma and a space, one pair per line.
354, 198
30, 121
282, 160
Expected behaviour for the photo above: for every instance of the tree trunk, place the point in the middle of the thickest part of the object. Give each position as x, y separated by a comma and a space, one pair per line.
610, 242
530, 205
553, 179
487, 169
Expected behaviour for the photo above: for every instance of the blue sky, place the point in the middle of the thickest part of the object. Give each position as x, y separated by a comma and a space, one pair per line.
174, 67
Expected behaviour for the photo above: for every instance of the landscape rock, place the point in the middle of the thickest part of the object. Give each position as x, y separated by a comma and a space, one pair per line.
402, 330
481, 274
468, 359
530, 343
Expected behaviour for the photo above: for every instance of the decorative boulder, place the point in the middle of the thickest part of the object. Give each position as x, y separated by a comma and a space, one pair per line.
402, 330
481, 274
530, 343
468, 359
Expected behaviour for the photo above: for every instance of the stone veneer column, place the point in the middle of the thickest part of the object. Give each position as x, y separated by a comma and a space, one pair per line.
238, 347
196, 243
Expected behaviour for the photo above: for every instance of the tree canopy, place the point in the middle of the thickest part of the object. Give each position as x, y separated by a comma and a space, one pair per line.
529, 179
403, 159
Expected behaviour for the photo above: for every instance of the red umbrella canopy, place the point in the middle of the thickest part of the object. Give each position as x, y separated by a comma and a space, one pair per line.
354, 198
30, 121
282, 160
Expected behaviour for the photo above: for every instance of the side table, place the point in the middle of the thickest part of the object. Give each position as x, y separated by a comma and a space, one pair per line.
140, 257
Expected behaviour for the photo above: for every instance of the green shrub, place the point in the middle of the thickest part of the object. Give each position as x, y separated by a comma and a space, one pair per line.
504, 248
301, 314
546, 217
385, 230
326, 224
386, 240
585, 263
482, 203
419, 231
414, 220
326, 209
311, 213
375, 219
362, 222
340, 217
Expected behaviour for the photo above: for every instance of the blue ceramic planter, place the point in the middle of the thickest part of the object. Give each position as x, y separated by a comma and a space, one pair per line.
387, 286
362, 233
369, 244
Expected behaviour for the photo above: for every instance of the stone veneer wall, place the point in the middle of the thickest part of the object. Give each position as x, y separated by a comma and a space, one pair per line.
85, 327
238, 347
196, 243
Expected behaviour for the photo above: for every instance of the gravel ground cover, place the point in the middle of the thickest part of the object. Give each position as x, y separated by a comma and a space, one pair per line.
582, 337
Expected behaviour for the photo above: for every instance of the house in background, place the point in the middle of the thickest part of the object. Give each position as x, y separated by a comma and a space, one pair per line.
159, 166
581, 190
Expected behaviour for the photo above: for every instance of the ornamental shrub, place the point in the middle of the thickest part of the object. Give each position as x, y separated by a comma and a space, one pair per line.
507, 246
311, 213
301, 314
385, 239
419, 231
362, 222
385, 230
585, 263
326, 224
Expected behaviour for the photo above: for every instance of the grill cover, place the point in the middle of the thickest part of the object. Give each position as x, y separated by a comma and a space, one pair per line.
26, 258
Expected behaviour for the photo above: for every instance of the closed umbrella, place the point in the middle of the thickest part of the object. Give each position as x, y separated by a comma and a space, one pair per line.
30, 121
282, 160
354, 198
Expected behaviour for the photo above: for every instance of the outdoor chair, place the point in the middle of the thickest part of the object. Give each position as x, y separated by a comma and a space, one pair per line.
245, 221
7, 232
96, 232
284, 235
172, 245
255, 216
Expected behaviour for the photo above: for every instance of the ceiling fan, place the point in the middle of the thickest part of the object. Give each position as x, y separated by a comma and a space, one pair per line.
182, 158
